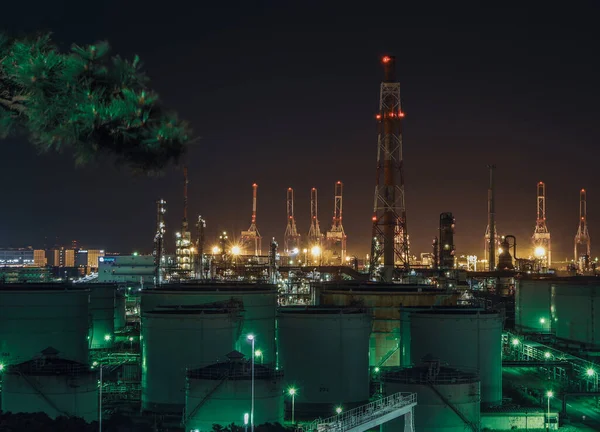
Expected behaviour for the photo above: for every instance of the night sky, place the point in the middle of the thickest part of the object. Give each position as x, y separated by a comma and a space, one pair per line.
284, 94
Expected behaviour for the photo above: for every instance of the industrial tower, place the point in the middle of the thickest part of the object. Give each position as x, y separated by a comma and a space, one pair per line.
159, 240
315, 237
291, 238
200, 239
183, 239
252, 236
491, 235
336, 237
446, 242
542, 248
389, 236
583, 244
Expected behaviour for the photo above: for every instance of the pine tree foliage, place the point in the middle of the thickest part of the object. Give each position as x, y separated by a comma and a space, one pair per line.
87, 101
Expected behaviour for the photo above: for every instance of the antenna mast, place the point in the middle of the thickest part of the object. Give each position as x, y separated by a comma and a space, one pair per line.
491, 235
336, 235
389, 237
291, 237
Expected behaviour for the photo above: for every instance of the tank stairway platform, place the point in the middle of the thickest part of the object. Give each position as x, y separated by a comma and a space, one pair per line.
368, 416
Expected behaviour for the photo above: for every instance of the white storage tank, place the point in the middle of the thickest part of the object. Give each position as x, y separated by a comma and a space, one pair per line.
576, 307
120, 312
35, 316
533, 305
259, 300
102, 311
51, 385
175, 339
324, 352
460, 338
221, 394
448, 399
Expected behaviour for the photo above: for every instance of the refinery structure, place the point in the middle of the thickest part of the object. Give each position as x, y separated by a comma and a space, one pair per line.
306, 335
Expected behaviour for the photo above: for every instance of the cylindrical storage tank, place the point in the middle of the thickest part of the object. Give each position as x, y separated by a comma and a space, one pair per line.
174, 340
471, 339
120, 315
36, 316
533, 312
102, 311
53, 386
324, 352
447, 398
259, 300
576, 306
221, 394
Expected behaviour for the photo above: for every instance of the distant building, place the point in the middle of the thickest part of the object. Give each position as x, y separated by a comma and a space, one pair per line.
133, 270
24, 274
39, 258
61, 257
87, 259
16, 257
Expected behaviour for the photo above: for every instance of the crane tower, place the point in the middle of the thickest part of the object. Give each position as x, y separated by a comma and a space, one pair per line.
291, 238
183, 239
542, 247
583, 244
389, 237
159, 241
336, 237
314, 232
252, 236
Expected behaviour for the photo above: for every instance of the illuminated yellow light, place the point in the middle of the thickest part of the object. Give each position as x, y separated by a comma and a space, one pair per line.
235, 250
539, 252
315, 251
215, 249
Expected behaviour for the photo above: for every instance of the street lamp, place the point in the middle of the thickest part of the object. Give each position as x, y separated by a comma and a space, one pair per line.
246, 422
252, 339
549, 394
292, 393
590, 373
259, 353
338, 411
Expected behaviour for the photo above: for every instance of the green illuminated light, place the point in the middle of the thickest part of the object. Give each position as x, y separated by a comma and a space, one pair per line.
590, 372
107, 337
258, 353
338, 410
542, 320
1, 367
376, 369
291, 391
547, 355
515, 341
550, 393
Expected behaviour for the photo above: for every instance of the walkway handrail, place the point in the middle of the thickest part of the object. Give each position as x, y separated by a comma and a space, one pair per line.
365, 413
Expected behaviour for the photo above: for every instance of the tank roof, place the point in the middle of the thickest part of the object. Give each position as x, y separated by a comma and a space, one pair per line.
197, 310
455, 311
583, 280
377, 287
235, 368
211, 287
421, 375
49, 364
322, 310
42, 287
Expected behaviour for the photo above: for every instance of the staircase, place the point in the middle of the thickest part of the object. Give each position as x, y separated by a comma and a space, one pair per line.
469, 423
368, 416
206, 398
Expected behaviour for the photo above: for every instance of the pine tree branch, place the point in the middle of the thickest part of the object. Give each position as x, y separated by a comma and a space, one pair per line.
11, 105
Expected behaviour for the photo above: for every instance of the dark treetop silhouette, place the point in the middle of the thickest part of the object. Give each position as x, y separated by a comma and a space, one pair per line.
86, 101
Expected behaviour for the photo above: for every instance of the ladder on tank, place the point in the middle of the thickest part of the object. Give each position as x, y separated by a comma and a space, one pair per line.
468, 423
186, 416
368, 416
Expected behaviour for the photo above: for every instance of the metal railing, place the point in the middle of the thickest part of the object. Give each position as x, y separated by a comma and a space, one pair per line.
363, 414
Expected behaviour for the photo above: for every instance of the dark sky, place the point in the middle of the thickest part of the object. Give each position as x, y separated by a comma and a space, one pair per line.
284, 94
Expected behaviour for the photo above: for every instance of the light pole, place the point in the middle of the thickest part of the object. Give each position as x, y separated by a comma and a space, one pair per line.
100, 403
592, 373
246, 422
252, 339
338, 411
292, 393
549, 394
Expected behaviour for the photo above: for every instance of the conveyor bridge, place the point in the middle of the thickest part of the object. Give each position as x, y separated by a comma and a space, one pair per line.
369, 416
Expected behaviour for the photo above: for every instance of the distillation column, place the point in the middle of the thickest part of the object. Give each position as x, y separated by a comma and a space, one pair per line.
542, 248
583, 244
252, 236
159, 240
336, 237
183, 239
291, 238
390, 245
